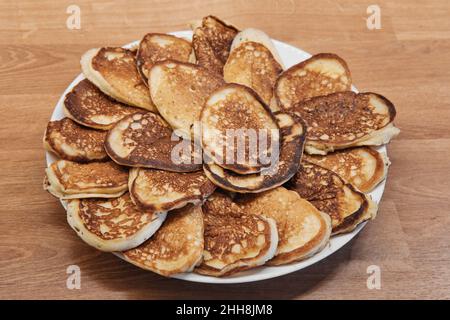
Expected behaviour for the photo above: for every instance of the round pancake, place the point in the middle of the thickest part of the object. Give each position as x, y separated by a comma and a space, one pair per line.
234, 240
212, 41
89, 106
253, 65
322, 74
345, 119
145, 140
175, 248
113, 70
234, 112
179, 91
363, 167
70, 180
293, 133
113, 224
302, 229
70, 141
328, 192
156, 47
160, 190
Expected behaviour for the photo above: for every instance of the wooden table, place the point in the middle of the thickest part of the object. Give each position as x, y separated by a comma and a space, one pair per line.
407, 60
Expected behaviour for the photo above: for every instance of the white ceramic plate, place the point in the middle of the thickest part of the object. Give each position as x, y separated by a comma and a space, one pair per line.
290, 56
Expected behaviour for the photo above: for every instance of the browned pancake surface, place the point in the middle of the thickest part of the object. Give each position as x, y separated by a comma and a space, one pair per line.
144, 140
73, 142
212, 42
156, 47
89, 106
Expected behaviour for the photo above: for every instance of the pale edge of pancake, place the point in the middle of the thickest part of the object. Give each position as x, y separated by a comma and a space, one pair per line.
250, 262
375, 138
93, 240
258, 36
97, 78
54, 186
317, 248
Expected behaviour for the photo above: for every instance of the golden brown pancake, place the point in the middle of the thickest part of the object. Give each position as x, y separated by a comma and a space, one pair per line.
363, 167
159, 190
70, 141
156, 47
293, 133
212, 42
176, 247
90, 107
113, 70
70, 180
329, 193
322, 74
346, 119
232, 120
179, 91
144, 140
253, 65
302, 229
234, 240
112, 224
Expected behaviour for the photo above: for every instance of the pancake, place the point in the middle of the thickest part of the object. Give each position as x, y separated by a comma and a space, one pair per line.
145, 140
239, 132
328, 192
179, 91
251, 63
113, 70
234, 240
159, 190
302, 229
156, 47
363, 167
212, 41
346, 119
293, 133
175, 248
70, 180
322, 74
70, 141
112, 224
90, 107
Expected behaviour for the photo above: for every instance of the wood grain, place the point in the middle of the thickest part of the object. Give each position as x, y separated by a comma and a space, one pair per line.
407, 61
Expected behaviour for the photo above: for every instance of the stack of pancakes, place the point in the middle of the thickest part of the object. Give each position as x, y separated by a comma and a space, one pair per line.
140, 182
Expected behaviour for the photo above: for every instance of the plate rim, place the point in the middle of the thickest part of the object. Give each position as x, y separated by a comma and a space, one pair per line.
262, 272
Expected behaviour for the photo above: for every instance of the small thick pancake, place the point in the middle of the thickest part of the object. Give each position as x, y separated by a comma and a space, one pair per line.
112, 224
70, 141
179, 91
113, 70
329, 193
302, 229
252, 64
175, 248
363, 167
70, 180
212, 41
160, 190
89, 106
346, 119
293, 133
234, 240
144, 140
322, 74
156, 47
232, 120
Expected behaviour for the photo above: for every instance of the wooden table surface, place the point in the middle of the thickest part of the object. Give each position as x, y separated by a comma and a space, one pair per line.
407, 60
